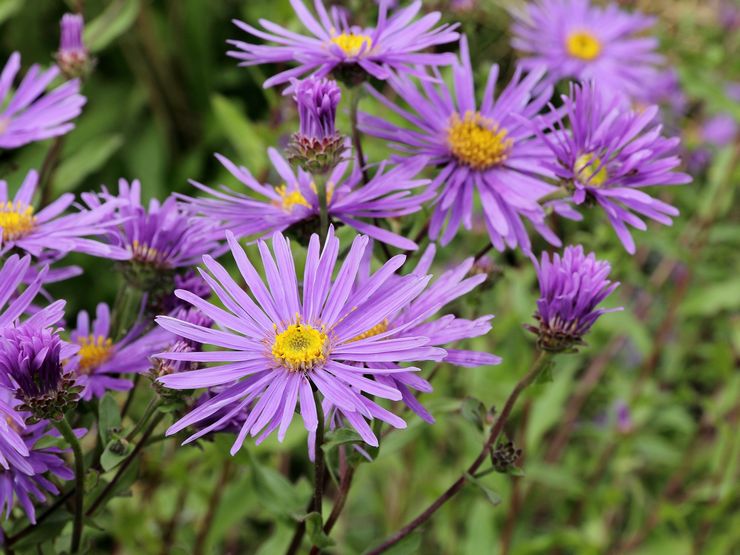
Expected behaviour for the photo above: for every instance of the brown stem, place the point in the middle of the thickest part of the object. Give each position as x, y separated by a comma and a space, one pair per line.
498, 427
46, 177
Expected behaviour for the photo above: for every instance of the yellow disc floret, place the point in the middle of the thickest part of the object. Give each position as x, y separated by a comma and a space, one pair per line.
16, 219
375, 330
289, 199
477, 141
300, 347
583, 45
94, 351
351, 43
590, 170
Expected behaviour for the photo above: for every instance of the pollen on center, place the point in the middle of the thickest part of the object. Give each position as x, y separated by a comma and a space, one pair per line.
94, 351
300, 347
16, 220
583, 45
352, 44
478, 141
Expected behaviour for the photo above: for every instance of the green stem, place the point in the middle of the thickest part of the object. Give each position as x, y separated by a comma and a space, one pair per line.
558, 194
69, 435
323, 207
318, 496
354, 103
151, 408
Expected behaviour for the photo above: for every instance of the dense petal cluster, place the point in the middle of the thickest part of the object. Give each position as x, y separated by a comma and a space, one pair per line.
278, 345
72, 57
162, 236
101, 360
574, 39
49, 229
489, 148
29, 114
606, 153
571, 289
267, 208
395, 44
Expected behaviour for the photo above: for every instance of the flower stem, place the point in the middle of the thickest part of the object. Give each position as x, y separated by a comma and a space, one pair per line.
154, 404
318, 495
69, 435
526, 381
354, 102
321, 192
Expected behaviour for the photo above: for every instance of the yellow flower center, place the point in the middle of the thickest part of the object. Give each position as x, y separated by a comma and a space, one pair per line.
94, 351
16, 220
583, 45
145, 254
301, 347
478, 141
590, 170
351, 44
289, 199
375, 330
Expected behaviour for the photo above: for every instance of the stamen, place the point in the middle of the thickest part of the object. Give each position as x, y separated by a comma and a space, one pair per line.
478, 141
17, 220
375, 330
590, 170
351, 44
94, 351
300, 347
583, 45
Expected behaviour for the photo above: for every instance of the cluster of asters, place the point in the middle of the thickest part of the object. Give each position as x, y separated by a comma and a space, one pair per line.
333, 342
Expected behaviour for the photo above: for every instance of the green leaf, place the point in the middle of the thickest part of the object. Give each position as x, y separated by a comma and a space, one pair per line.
8, 8
473, 410
245, 136
315, 531
492, 497
49, 528
117, 18
88, 159
277, 493
115, 452
341, 436
109, 418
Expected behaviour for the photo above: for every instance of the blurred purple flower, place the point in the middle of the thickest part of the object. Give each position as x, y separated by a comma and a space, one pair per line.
277, 208
393, 45
277, 349
101, 360
72, 57
571, 289
489, 149
48, 230
606, 153
28, 115
719, 130
574, 39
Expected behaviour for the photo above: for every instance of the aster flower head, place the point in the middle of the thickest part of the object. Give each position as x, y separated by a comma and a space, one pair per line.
424, 316
278, 345
295, 203
31, 364
574, 39
351, 52
101, 360
73, 57
24, 478
158, 239
317, 147
486, 148
606, 153
49, 229
571, 289
28, 114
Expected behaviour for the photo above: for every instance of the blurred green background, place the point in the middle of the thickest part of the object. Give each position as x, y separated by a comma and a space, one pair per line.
164, 97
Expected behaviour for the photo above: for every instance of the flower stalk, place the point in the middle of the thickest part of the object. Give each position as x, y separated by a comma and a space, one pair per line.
69, 435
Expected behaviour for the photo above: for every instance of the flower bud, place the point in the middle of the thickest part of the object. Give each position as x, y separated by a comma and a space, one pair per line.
571, 288
72, 57
317, 147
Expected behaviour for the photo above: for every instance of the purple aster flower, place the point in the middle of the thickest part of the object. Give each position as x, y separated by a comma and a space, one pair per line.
276, 346
163, 236
395, 44
488, 148
293, 202
420, 318
720, 130
49, 229
73, 57
624, 418
29, 115
574, 39
571, 289
23, 478
609, 153
101, 360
